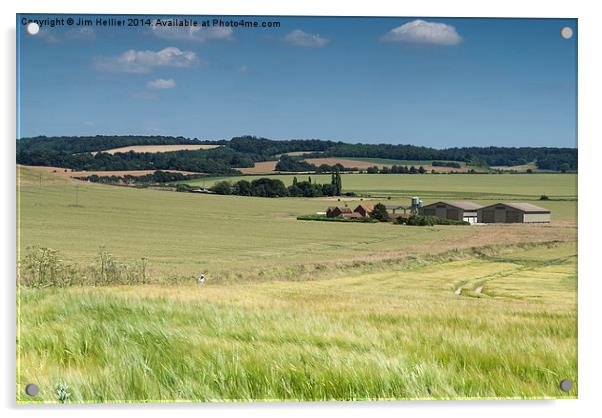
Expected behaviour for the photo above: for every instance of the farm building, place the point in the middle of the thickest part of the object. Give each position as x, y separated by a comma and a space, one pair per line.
459, 210
364, 210
353, 215
513, 213
334, 211
398, 211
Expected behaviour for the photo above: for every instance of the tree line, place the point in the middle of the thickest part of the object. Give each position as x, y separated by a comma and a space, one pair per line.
243, 151
545, 157
296, 164
267, 187
152, 178
220, 160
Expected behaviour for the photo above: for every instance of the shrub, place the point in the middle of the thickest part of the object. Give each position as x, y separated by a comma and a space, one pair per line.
544, 197
43, 268
337, 219
183, 188
380, 213
418, 220
222, 187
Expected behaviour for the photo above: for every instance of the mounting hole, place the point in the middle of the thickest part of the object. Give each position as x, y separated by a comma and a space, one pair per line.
32, 389
566, 32
566, 385
33, 28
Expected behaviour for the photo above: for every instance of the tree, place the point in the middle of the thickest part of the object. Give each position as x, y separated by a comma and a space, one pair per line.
242, 188
337, 185
222, 187
380, 213
265, 187
288, 163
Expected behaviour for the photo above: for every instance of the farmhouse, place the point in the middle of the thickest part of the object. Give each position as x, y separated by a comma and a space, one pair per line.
513, 213
353, 215
364, 210
334, 211
458, 210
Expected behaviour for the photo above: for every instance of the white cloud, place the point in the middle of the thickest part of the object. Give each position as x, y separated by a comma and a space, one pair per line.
193, 33
141, 62
300, 38
423, 32
161, 84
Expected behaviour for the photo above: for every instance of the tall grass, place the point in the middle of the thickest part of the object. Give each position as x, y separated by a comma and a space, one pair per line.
401, 334
42, 267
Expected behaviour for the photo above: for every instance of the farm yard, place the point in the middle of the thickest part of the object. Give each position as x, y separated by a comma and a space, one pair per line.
482, 188
274, 287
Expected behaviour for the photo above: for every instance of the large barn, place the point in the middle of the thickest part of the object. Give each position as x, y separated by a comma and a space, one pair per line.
513, 213
459, 210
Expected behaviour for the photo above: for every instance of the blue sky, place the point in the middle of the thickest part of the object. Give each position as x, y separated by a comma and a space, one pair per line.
424, 81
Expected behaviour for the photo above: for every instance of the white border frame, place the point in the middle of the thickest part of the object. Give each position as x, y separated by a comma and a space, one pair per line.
590, 152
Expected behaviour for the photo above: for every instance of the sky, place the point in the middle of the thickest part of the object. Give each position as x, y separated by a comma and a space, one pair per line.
423, 81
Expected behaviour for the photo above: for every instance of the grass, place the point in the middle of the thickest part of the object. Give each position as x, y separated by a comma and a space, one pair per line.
437, 186
482, 188
395, 162
299, 310
400, 334
185, 233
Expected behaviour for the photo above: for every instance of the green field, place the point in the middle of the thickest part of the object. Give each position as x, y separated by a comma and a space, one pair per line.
299, 310
482, 188
469, 186
397, 162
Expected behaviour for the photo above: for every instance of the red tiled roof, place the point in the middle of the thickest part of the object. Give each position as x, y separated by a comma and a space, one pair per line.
367, 208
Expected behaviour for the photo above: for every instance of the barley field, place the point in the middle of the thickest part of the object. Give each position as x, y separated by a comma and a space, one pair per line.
296, 310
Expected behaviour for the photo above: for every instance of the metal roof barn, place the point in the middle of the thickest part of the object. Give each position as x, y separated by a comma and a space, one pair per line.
519, 212
459, 210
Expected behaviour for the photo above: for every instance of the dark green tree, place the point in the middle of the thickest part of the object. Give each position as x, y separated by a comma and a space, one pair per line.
380, 213
222, 187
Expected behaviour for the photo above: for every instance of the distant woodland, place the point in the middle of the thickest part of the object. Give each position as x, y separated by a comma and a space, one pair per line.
85, 153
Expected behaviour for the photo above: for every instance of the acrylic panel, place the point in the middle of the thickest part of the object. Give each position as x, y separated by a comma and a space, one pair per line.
281, 208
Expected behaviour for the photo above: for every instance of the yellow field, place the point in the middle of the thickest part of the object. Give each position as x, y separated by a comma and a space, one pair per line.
49, 172
264, 167
159, 148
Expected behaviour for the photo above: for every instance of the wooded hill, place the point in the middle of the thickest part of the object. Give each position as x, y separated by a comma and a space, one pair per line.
78, 153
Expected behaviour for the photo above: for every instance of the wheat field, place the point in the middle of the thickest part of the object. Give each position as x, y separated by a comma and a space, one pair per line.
293, 310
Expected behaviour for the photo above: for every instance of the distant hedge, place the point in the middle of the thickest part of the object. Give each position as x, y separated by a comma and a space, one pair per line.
418, 220
337, 219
